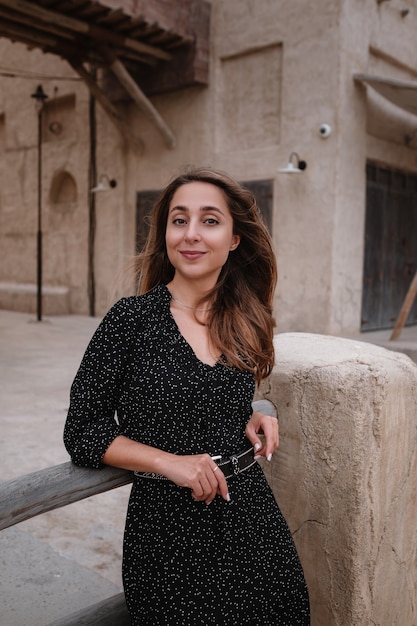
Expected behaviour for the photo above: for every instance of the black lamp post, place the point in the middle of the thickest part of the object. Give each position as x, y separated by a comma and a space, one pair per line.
40, 97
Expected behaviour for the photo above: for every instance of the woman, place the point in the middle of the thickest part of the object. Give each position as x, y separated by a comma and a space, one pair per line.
205, 542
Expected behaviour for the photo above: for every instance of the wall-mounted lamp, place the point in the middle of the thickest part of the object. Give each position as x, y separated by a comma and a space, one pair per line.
104, 184
295, 165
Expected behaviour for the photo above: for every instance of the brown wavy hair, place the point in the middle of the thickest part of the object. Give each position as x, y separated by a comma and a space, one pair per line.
240, 320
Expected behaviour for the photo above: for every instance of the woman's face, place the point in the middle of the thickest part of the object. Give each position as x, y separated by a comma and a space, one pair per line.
199, 232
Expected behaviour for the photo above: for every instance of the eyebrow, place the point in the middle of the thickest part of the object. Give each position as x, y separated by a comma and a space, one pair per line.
207, 209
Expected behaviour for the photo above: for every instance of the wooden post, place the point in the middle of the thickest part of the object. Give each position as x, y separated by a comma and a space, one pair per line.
111, 111
405, 309
133, 89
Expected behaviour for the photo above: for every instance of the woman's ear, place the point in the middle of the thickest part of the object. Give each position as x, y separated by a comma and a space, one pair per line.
235, 242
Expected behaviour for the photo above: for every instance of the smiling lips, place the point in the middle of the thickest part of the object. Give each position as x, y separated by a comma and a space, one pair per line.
192, 255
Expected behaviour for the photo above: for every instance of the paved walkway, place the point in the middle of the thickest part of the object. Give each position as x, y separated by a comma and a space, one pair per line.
406, 343
69, 558
63, 560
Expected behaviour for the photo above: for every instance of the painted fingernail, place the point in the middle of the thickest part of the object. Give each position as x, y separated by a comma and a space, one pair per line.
228, 498
257, 456
269, 457
257, 446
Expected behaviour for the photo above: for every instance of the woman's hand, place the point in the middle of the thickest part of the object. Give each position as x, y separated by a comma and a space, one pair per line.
269, 427
199, 473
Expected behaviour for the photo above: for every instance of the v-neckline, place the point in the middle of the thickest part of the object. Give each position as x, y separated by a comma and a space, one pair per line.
211, 366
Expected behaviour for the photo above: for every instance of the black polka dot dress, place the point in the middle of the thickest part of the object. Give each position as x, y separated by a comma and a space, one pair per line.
184, 562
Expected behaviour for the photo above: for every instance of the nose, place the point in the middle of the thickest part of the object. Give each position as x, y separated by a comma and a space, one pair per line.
192, 233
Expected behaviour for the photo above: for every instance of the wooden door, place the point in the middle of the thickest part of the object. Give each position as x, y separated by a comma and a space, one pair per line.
390, 246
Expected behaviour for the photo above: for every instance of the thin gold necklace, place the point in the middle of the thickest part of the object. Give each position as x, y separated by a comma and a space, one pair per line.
187, 306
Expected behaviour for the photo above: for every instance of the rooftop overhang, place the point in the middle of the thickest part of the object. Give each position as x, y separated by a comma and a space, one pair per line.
146, 46
399, 92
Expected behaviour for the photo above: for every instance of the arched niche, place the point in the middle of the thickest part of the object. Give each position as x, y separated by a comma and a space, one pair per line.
63, 192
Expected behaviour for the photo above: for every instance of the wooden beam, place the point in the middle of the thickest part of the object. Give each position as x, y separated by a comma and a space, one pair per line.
114, 116
51, 488
190, 64
26, 35
405, 309
82, 28
112, 37
139, 98
37, 12
107, 612
11, 18
80, 51
61, 41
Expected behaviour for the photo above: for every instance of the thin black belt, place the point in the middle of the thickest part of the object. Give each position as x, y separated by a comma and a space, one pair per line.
231, 465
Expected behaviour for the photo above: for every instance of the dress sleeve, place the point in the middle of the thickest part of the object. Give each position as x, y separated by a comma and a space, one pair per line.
91, 426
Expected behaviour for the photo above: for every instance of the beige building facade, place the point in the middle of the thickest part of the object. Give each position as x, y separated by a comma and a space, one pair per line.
281, 80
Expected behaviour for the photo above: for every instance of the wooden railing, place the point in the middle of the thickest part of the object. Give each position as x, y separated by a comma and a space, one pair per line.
51, 488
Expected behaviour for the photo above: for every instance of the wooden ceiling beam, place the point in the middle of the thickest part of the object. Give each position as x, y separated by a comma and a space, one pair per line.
39, 13
112, 38
93, 31
11, 18
47, 42
26, 35
53, 42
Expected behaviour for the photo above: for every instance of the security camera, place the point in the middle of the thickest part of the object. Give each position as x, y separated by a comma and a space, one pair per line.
325, 130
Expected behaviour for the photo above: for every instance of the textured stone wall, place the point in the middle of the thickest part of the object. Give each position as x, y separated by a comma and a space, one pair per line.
64, 158
345, 475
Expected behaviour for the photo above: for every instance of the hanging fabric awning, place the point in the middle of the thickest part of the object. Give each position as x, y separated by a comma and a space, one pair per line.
400, 92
